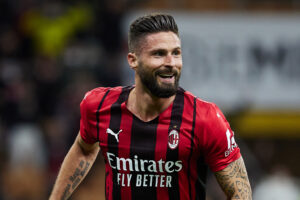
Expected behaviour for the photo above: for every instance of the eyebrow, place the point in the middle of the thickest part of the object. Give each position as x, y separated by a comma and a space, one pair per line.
162, 49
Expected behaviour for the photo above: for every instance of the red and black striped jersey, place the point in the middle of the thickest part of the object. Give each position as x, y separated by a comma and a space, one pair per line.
165, 158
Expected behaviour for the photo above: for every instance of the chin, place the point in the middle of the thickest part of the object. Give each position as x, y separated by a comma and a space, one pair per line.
165, 91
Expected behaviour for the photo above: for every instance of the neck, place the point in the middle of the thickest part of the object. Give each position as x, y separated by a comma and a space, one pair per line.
144, 105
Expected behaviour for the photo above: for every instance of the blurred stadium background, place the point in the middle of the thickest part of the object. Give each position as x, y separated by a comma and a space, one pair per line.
242, 54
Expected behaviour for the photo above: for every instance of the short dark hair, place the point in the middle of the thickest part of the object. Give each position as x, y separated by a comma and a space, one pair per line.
152, 23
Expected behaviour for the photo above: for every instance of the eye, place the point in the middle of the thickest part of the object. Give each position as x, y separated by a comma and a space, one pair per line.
159, 53
176, 52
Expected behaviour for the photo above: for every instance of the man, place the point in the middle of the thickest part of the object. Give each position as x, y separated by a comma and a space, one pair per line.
155, 137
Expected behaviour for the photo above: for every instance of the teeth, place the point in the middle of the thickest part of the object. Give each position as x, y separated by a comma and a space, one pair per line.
165, 76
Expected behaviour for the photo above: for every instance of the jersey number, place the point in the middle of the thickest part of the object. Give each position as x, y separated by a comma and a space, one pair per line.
231, 144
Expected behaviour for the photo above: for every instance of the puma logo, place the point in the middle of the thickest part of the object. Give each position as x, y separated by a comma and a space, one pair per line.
109, 131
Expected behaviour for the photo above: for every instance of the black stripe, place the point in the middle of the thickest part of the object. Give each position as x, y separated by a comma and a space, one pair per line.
97, 113
201, 180
106, 189
192, 147
142, 144
114, 125
172, 154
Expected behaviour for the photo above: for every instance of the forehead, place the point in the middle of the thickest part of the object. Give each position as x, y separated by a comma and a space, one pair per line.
160, 40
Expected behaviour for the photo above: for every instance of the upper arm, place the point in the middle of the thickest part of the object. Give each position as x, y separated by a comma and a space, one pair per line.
233, 179
86, 147
218, 143
89, 111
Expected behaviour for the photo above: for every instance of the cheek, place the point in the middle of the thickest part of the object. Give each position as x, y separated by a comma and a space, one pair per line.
152, 63
156, 62
178, 64
145, 68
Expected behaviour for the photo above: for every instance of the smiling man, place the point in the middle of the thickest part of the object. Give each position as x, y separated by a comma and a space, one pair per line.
157, 139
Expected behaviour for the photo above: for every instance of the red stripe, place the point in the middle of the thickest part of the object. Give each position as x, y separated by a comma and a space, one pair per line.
161, 146
185, 144
124, 151
198, 138
104, 119
194, 157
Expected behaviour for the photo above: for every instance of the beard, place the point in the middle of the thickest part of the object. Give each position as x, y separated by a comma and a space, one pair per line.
149, 80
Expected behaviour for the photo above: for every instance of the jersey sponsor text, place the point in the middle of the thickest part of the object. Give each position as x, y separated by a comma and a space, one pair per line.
156, 171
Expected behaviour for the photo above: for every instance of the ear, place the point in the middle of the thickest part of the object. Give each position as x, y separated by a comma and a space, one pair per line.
132, 60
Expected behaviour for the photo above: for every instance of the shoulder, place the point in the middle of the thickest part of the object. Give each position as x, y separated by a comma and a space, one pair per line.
93, 97
208, 114
203, 108
208, 109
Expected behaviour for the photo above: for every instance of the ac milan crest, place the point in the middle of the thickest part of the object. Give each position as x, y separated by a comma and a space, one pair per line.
173, 139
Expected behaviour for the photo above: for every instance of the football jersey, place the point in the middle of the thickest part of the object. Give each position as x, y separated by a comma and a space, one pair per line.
165, 158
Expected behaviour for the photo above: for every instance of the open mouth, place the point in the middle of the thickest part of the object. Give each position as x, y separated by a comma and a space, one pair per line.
166, 76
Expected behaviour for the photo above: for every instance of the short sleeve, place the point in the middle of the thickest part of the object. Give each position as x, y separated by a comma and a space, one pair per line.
220, 148
85, 121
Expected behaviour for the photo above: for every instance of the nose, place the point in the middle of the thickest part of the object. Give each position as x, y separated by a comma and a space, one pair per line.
170, 60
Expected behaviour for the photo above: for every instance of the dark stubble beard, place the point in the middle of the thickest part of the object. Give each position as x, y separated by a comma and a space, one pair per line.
149, 80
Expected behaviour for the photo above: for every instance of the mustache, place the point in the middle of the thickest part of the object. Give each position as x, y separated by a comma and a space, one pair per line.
166, 71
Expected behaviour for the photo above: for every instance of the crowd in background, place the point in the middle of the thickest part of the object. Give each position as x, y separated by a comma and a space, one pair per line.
51, 53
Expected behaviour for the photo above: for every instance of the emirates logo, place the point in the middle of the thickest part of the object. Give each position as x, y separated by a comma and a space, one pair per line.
173, 139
